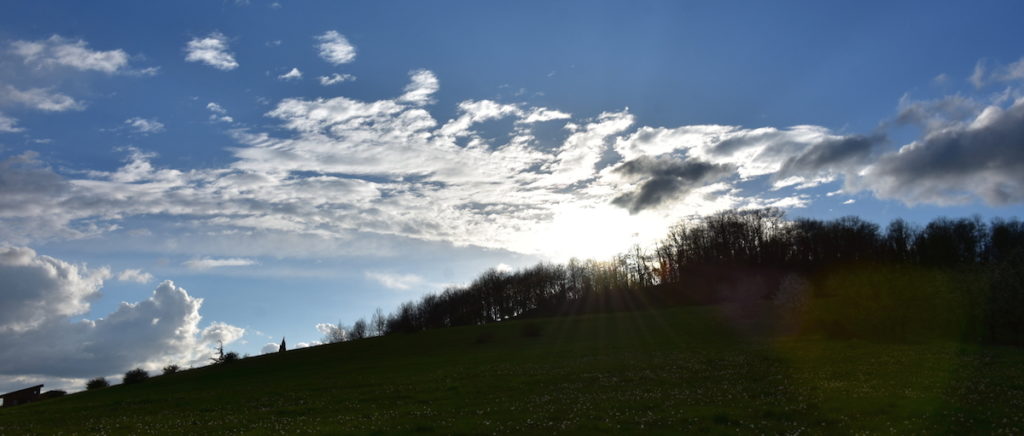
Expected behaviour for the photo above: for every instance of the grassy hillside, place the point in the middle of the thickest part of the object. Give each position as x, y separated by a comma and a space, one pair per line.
683, 369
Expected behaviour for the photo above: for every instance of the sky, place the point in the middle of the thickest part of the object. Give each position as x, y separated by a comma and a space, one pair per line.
178, 174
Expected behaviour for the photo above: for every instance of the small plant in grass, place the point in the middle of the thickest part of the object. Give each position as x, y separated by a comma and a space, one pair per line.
96, 383
137, 375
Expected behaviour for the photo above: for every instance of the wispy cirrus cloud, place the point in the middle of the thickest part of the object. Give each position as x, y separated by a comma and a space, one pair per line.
400, 282
135, 275
41, 99
9, 125
206, 263
58, 51
336, 78
144, 126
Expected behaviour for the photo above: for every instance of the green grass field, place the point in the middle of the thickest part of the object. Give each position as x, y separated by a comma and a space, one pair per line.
665, 371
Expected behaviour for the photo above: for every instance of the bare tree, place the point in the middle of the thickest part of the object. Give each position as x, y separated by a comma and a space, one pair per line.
359, 330
378, 322
335, 333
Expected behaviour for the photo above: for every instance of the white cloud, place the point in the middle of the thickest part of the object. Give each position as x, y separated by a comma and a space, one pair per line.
576, 160
400, 282
293, 74
336, 78
135, 275
211, 50
335, 48
218, 113
219, 332
987, 72
540, 114
76, 54
270, 347
41, 295
144, 126
340, 170
421, 88
216, 108
503, 268
978, 75
9, 125
38, 289
42, 99
208, 263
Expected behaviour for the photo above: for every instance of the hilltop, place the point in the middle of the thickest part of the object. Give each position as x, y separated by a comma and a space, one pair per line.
669, 370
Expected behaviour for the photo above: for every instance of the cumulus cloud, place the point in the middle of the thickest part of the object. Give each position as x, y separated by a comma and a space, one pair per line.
41, 295
421, 89
135, 275
211, 50
336, 78
42, 99
220, 333
340, 169
335, 48
293, 74
270, 347
57, 51
664, 178
9, 125
143, 125
38, 289
956, 165
208, 263
577, 158
400, 282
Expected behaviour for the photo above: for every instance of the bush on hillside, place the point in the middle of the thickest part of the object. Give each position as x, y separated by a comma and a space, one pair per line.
137, 375
96, 383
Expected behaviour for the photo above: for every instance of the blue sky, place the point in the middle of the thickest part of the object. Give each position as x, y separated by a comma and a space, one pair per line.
297, 163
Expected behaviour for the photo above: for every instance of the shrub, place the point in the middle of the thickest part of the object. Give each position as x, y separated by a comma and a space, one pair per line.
96, 383
171, 369
137, 375
229, 357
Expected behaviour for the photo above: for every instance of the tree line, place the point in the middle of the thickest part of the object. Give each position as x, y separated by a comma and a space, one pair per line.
707, 259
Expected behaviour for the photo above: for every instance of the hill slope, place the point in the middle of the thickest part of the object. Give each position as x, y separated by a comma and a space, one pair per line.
683, 369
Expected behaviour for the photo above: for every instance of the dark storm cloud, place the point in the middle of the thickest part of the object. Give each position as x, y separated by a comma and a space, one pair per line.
955, 165
665, 178
831, 155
